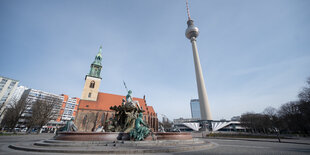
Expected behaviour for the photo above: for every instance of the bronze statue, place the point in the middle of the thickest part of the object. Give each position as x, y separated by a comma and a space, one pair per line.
69, 127
141, 130
130, 101
125, 115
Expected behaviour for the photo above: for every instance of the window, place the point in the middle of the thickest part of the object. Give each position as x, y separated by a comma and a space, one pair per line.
3, 81
89, 95
12, 83
92, 84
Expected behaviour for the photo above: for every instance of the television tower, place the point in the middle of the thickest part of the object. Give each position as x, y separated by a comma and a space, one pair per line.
192, 33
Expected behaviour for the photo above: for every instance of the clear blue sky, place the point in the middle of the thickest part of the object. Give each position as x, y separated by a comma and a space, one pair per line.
254, 53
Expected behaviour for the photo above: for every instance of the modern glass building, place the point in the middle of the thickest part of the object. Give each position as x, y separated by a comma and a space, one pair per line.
195, 108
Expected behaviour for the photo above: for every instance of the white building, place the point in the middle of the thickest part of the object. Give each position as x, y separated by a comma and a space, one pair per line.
70, 108
17, 94
33, 95
7, 87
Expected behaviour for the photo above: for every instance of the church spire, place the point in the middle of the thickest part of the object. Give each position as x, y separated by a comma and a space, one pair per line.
98, 57
96, 66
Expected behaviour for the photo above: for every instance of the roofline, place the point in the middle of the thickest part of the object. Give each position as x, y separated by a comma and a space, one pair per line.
120, 95
93, 77
9, 78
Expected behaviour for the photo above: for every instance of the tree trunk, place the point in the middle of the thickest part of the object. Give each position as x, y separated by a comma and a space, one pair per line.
39, 130
28, 130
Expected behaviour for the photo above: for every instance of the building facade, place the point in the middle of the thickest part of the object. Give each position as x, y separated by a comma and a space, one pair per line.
64, 109
195, 108
7, 87
94, 107
67, 111
68, 108
32, 95
17, 94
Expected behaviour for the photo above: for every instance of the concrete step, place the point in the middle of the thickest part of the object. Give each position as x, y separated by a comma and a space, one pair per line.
56, 143
113, 147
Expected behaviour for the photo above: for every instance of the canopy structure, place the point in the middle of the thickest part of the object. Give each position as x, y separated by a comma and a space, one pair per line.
194, 126
219, 125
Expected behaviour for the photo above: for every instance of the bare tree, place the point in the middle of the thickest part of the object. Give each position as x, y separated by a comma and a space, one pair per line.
3, 111
290, 117
42, 112
270, 111
304, 106
248, 120
14, 112
294, 116
257, 122
304, 95
272, 120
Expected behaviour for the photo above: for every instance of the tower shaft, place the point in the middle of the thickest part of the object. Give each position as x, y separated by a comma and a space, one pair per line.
192, 33
202, 92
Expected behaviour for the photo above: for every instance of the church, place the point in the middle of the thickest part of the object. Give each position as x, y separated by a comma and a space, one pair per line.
94, 107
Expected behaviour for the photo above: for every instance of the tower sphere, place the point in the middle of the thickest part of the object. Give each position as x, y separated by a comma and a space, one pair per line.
191, 30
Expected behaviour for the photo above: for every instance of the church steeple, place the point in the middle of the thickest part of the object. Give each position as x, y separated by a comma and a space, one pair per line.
95, 67
93, 79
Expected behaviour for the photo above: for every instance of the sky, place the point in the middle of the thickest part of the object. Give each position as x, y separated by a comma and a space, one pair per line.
253, 53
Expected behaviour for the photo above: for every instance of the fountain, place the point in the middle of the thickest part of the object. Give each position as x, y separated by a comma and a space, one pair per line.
127, 124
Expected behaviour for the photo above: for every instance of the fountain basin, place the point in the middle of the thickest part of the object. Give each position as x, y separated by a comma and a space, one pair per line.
173, 135
113, 136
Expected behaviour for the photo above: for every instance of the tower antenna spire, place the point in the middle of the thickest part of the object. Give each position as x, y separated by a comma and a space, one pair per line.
187, 9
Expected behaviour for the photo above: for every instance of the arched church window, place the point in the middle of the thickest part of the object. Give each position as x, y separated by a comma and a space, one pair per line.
89, 94
92, 84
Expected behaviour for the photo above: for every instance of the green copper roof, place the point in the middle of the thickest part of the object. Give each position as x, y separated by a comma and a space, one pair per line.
98, 57
96, 66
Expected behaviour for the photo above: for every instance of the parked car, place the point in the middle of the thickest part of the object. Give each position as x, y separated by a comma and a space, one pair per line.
23, 130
